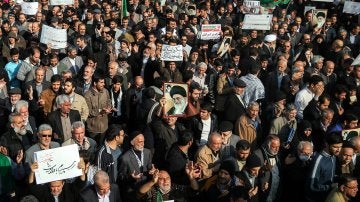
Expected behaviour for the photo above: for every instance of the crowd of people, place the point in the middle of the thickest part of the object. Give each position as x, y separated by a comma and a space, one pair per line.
268, 115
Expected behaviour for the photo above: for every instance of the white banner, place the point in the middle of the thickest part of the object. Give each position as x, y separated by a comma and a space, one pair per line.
29, 8
257, 22
211, 31
251, 7
172, 53
56, 37
356, 61
57, 164
61, 2
308, 8
351, 7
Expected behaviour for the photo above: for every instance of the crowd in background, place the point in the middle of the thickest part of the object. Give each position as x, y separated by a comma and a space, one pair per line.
271, 115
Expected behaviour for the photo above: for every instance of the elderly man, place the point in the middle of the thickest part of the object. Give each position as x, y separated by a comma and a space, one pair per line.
44, 136
161, 186
248, 125
62, 118
16, 138
295, 168
102, 190
58, 190
270, 163
22, 107
346, 189
78, 137
179, 96
132, 175
208, 156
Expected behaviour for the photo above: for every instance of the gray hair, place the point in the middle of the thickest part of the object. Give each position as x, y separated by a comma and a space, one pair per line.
20, 104
327, 111
290, 107
316, 59
302, 144
13, 115
202, 64
44, 127
101, 176
66, 72
77, 124
253, 104
61, 99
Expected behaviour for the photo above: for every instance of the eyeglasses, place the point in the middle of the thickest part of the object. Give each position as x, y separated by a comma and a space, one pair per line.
46, 135
352, 187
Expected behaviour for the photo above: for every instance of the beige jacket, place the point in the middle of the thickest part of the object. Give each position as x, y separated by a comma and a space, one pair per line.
79, 104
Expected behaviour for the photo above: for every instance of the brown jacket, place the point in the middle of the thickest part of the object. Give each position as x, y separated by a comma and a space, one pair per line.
96, 101
207, 161
48, 95
245, 129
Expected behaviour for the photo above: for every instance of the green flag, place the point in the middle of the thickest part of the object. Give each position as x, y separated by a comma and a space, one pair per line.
124, 11
269, 3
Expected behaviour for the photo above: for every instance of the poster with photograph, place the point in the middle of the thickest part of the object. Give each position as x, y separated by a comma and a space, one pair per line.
308, 8
251, 7
176, 95
225, 46
319, 17
350, 133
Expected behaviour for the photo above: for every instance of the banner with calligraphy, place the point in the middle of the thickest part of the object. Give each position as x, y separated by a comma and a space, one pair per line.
351, 7
57, 164
61, 2
251, 7
172, 53
257, 22
56, 37
210, 31
29, 8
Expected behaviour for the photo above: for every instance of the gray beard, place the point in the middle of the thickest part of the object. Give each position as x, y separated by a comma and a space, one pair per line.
20, 131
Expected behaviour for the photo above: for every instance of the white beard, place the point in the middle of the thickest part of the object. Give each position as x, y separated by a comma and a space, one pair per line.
20, 131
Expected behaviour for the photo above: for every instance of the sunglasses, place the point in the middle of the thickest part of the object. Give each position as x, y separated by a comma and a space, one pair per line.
46, 135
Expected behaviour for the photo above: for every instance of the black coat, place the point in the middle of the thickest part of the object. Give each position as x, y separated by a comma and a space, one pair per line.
69, 193
14, 144
90, 195
176, 161
54, 119
233, 109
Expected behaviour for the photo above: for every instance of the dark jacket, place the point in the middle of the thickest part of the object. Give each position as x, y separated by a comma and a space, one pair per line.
176, 161
13, 143
233, 108
54, 119
196, 126
69, 193
105, 162
90, 195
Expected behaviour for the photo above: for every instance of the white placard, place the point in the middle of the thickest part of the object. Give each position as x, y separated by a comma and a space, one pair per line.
257, 22
56, 37
172, 53
211, 31
251, 7
61, 2
351, 7
308, 8
324, 0
29, 8
19, 1
57, 164
356, 61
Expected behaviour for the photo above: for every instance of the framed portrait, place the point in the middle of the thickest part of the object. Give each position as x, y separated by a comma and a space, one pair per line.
350, 133
225, 46
177, 96
319, 17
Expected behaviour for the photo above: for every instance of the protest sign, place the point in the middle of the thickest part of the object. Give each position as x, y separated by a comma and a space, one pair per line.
61, 2
171, 53
257, 22
29, 8
351, 7
350, 133
57, 164
211, 31
319, 16
251, 7
356, 61
176, 95
56, 37
225, 46
309, 8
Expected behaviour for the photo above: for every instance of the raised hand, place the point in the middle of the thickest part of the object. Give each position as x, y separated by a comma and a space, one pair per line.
136, 176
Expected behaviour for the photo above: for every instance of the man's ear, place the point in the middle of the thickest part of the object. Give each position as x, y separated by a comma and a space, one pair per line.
342, 188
